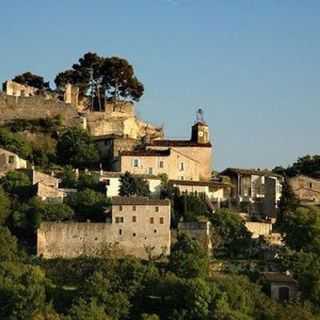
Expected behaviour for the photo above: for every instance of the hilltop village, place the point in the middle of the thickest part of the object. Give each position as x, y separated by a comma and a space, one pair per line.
85, 178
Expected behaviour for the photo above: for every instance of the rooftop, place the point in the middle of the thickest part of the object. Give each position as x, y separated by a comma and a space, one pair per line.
179, 143
143, 201
278, 277
146, 153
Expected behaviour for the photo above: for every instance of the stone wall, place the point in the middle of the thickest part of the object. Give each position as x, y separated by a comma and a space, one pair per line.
13, 88
199, 231
36, 107
70, 240
259, 228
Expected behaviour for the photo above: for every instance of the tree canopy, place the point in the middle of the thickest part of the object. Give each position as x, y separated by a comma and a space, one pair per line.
133, 186
32, 80
113, 77
76, 148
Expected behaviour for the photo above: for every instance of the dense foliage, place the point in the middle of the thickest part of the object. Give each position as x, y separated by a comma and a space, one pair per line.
307, 165
133, 186
112, 78
32, 80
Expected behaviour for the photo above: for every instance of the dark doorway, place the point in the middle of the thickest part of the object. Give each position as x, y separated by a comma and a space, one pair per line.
284, 294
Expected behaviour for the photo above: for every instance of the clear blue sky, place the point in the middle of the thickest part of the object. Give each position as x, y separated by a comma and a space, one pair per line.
253, 66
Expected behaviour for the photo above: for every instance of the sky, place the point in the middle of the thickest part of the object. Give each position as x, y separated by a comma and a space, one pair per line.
253, 66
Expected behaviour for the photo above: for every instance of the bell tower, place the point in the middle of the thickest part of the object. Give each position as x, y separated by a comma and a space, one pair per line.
200, 130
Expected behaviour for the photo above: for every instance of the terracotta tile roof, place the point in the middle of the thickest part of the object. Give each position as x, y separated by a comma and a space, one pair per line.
179, 143
139, 201
146, 153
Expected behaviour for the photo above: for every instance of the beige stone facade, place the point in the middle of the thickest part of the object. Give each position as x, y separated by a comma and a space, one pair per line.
12, 88
306, 189
197, 148
45, 192
259, 229
9, 161
120, 119
71, 95
110, 147
176, 165
139, 227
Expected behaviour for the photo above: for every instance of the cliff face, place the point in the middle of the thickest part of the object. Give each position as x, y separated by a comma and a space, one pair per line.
36, 107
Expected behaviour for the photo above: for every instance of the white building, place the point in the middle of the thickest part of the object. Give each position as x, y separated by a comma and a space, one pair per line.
112, 181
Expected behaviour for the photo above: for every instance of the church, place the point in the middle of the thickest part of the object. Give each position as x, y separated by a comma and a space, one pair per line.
189, 159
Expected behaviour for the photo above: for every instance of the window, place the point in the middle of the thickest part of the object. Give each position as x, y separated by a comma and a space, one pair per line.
119, 219
181, 166
156, 209
133, 234
150, 171
120, 232
161, 164
151, 220
134, 219
155, 231
107, 182
134, 208
136, 163
161, 220
120, 208
182, 178
310, 185
11, 159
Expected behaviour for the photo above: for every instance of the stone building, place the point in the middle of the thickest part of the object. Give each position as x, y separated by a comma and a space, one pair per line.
200, 231
120, 119
306, 189
139, 227
198, 148
281, 287
170, 161
111, 145
112, 182
47, 186
12, 88
9, 161
261, 189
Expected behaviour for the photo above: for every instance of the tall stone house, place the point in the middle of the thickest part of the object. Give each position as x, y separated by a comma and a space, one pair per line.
306, 189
